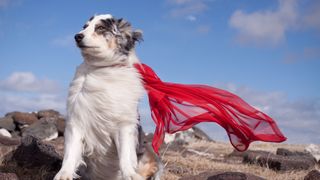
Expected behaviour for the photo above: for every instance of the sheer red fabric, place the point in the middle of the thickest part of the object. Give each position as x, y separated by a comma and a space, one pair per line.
178, 107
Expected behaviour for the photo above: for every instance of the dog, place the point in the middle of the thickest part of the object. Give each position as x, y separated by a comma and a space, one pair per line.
102, 118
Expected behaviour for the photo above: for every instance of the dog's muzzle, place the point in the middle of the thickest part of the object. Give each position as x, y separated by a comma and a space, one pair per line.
78, 37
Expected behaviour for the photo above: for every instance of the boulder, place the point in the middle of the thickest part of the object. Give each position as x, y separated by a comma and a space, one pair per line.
4, 132
199, 134
286, 152
8, 176
44, 129
23, 119
7, 145
6, 141
223, 176
7, 123
312, 175
33, 159
278, 162
314, 150
33, 153
60, 124
58, 145
188, 136
48, 113
298, 154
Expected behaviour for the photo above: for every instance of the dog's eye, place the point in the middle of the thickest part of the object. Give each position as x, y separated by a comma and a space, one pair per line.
100, 28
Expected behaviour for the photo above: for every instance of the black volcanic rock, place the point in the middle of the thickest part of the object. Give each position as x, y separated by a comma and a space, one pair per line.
278, 162
223, 176
7, 123
48, 113
44, 129
34, 153
312, 175
8, 176
22, 118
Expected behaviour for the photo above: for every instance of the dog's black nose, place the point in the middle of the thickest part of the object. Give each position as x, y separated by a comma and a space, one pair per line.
78, 37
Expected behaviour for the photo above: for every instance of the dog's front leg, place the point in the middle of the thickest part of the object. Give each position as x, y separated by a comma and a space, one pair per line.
126, 142
72, 153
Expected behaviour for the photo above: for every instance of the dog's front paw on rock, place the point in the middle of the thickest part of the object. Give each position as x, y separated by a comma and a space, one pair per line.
63, 175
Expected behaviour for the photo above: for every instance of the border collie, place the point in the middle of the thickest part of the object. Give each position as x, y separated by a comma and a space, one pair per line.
102, 118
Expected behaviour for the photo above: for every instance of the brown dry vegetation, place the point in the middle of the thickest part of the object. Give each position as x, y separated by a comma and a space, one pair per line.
212, 158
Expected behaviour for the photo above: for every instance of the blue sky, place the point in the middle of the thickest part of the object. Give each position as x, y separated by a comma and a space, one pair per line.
266, 51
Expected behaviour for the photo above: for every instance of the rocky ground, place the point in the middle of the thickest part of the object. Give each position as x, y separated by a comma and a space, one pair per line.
31, 148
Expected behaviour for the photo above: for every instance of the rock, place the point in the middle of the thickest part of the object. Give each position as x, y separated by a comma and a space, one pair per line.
58, 145
32, 153
201, 135
312, 175
234, 176
60, 124
44, 129
6, 141
7, 123
223, 176
33, 159
187, 136
21, 118
8, 176
286, 152
48, 113
314, 150
4, 132
7, 145
277, 162
149, 137
16, 134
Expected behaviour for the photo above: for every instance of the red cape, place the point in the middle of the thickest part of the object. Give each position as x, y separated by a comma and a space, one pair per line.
178, 107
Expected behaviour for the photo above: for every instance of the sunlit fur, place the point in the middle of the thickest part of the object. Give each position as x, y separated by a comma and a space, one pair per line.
101, 127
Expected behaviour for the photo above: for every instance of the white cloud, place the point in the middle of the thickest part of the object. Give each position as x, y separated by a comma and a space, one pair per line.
28, 82
265, 26
187, 8
31, 102
299, 119
23, 91
191, 18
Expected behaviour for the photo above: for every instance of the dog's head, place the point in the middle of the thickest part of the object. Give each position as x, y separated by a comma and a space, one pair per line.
105, 40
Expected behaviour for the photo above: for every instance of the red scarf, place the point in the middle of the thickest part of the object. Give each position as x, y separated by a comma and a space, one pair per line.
178, 107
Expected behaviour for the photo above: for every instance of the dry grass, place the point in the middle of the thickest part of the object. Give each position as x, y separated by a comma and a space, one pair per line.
182, 163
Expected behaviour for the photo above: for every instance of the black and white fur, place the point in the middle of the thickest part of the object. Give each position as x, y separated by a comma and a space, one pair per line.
101, 127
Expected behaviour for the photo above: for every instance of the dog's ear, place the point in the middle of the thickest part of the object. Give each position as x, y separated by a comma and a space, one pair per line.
123, 26
137, 35
128, 37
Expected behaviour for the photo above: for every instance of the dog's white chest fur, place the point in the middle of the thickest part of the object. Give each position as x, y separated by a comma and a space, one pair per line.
104, 98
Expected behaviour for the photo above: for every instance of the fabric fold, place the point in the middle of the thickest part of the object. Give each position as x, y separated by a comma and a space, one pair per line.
177, 107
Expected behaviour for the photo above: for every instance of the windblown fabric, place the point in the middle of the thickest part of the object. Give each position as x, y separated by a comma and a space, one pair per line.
178, 107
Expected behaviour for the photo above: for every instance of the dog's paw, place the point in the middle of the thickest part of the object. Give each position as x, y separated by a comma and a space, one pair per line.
63, 175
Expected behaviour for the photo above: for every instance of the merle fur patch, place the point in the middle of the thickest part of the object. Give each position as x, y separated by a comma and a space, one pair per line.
121, 29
